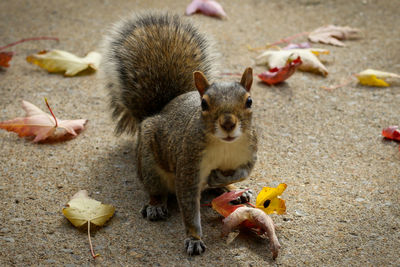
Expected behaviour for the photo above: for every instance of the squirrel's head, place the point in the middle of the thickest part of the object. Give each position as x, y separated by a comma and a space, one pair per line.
226, 106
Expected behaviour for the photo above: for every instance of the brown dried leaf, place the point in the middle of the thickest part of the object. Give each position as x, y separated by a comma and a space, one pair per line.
331, 34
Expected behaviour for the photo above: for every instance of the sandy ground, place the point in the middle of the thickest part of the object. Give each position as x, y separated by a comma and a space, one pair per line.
343, 178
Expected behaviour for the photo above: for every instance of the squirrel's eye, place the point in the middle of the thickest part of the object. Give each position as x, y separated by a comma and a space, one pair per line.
249, 101
204, 105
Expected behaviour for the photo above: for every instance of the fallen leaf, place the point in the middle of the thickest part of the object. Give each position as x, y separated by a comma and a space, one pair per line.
277, 75
231, 237
5, 57
376, 78
309, 58
207, 7
222, 204
331, 34
62, 61
259, 219
268, 200
295, 46
392, 132
41, 125
82, 209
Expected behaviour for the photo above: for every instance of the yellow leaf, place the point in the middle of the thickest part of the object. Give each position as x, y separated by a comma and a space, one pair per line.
268, 200
376, 78
309, 57
82, 209
318, 52
62, 61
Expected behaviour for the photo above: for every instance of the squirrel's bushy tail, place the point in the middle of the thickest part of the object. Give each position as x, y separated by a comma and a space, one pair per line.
147, 61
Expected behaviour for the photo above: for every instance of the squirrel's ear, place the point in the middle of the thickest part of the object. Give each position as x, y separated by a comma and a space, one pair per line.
200, 82
247, 79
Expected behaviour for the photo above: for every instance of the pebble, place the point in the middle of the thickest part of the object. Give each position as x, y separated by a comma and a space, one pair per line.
8, 239
66, 250
4, 230
300, 213
388, 204
135, 254
17, 220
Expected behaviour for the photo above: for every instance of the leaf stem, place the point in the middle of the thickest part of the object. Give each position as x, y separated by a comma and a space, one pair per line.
281, 41
48, 106
347, 81
30, 39
90, 242
234, 74
248, 203
288, 39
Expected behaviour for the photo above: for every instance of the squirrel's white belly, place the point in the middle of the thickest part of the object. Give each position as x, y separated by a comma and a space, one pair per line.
224, 156
217, 155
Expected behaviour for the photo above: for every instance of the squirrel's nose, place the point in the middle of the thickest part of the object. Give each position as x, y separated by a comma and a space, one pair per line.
228, 123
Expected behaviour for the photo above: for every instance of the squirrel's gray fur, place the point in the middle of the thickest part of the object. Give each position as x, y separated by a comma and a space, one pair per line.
191, 134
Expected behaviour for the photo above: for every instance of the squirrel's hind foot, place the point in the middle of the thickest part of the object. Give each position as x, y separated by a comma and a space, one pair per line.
155, 213
194, 246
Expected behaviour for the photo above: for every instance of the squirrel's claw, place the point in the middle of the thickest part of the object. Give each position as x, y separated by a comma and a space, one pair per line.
194, 246
244, 198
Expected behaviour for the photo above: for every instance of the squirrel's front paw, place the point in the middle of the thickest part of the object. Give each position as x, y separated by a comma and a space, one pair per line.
154, 213
244, 198
218, 178
194, 246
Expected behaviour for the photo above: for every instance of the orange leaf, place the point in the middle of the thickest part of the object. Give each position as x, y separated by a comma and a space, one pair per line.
222, 203
41, 125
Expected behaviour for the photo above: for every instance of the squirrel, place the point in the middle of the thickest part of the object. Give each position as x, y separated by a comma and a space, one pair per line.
190, 134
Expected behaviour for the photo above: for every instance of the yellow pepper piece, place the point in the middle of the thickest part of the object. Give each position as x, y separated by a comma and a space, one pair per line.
269, 202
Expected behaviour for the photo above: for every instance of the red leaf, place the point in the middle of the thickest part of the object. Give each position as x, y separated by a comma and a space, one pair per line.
5, 57
277, 75
41, 125
222, 203
223, 206
392, 132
